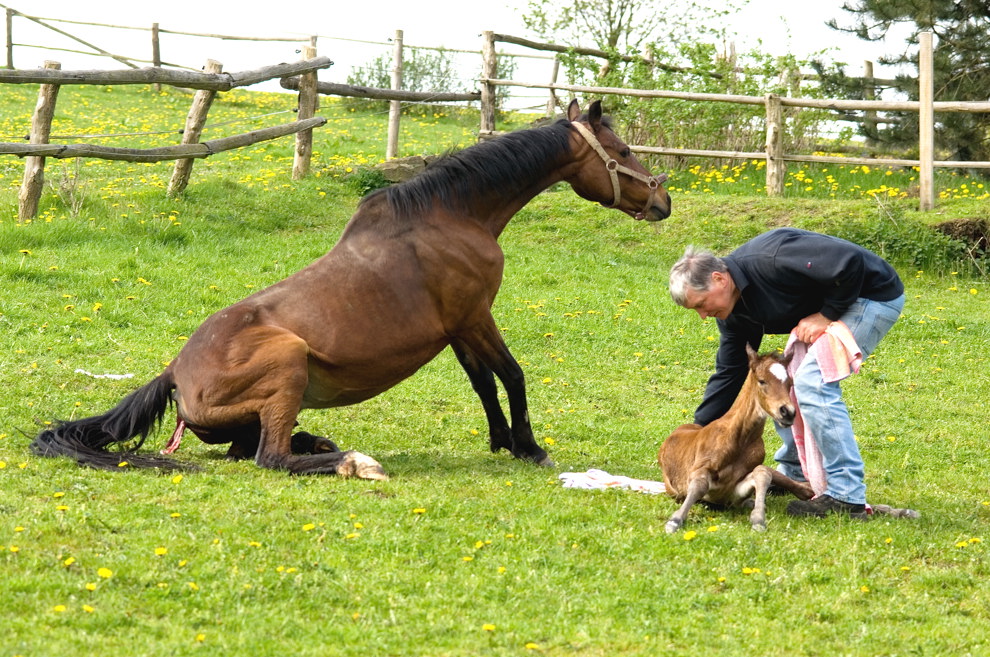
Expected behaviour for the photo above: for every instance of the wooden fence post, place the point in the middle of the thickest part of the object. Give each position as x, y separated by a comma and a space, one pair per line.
195, 121
10, 38
926, 123
489, 70
552, 100
776, 167
156, 54
869, 93
34, 165
308, 102
395, 106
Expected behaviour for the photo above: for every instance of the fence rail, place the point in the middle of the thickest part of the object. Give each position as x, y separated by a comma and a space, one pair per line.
51, 78
774, 154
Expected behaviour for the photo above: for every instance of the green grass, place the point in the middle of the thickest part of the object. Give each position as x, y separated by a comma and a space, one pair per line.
463, 552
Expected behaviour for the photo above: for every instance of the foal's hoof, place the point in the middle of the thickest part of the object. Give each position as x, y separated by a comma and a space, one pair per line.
356, 464
545, 462
672, 526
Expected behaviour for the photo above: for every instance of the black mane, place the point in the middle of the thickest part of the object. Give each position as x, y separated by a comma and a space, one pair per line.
508, 165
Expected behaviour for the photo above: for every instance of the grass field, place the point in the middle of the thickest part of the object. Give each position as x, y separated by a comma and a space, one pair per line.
463, 552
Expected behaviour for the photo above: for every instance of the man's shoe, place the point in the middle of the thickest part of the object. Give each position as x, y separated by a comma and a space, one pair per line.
824, 505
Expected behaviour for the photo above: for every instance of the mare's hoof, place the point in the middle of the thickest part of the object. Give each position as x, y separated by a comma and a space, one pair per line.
672, 526
359, 465
545, 462
759, 527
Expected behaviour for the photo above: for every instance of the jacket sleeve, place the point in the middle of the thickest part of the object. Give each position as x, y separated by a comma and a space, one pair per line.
731, 369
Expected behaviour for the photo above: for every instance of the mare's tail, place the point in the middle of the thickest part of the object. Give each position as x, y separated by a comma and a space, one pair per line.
88, 440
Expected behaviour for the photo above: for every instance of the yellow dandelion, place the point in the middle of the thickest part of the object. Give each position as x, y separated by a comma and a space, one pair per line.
308, 527
105, 573
488, 627
161, 551
690, 535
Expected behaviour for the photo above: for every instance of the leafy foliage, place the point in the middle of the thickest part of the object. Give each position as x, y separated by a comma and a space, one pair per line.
702, 69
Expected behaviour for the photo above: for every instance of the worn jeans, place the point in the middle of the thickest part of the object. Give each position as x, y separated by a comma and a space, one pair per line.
824, 412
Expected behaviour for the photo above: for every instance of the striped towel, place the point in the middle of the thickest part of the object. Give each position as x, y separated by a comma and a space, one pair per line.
838, 356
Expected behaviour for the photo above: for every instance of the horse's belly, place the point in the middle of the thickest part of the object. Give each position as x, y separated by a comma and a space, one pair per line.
343, 384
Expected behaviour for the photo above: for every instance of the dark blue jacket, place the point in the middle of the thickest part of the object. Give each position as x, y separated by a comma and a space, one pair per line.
783, 276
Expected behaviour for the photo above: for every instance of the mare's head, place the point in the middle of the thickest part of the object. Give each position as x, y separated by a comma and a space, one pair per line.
773, 385
607, 172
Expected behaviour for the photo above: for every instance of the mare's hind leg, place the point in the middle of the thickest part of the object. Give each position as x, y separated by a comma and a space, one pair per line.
488, 347
304, 442
265, 386
483, 383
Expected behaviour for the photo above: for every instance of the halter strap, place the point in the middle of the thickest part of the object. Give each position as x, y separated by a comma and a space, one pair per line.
614, 168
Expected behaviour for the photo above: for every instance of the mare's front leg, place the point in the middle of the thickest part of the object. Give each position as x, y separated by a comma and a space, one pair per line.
698, 485
486, 343
483, 382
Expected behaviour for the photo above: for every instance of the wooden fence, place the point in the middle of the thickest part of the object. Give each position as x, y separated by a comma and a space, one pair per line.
774, 154
208, 83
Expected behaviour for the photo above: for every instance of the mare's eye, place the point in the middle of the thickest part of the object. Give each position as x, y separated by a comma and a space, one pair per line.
625, 152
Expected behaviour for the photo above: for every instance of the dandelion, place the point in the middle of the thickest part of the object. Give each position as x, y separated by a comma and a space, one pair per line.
176, 479
69, 561
161, 551
308, 527
419, 511
88, 609
105, 573
864, 588
533, 646
90, 586
58, 609
488, 627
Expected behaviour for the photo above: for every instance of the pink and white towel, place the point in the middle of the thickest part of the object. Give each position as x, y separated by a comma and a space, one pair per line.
838, 356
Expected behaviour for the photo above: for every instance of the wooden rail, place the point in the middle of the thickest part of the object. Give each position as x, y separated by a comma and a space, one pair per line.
51, 78
774, 154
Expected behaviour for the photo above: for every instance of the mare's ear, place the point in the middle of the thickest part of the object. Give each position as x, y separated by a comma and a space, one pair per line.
595, 115
573, 111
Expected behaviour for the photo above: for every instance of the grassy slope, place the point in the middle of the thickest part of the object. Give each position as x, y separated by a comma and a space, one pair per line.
462, 552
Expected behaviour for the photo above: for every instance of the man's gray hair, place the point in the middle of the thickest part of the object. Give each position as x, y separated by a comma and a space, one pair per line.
694, 270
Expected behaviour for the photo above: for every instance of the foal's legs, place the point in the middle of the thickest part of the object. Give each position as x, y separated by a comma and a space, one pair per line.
488, 348
756, 484
483, 382
698, 484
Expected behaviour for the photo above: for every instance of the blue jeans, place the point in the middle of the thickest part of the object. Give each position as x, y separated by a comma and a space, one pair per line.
826, 415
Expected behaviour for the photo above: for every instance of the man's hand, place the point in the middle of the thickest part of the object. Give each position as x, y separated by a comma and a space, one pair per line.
811, 327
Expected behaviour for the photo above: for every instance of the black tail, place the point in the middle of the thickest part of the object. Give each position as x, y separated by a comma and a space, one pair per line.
87, 440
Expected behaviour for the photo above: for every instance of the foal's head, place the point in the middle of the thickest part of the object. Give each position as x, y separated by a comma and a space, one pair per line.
608, 173
772, 385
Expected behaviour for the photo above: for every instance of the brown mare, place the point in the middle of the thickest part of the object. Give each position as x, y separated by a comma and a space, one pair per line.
416, 269
722, 462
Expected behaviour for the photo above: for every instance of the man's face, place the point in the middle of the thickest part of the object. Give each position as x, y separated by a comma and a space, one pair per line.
717, 302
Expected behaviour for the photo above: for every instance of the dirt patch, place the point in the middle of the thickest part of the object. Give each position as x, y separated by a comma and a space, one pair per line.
972, 232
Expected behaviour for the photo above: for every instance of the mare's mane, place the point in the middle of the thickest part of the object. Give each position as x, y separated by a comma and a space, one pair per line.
507, 165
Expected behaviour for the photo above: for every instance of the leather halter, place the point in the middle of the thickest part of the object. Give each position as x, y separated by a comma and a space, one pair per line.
614, 169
